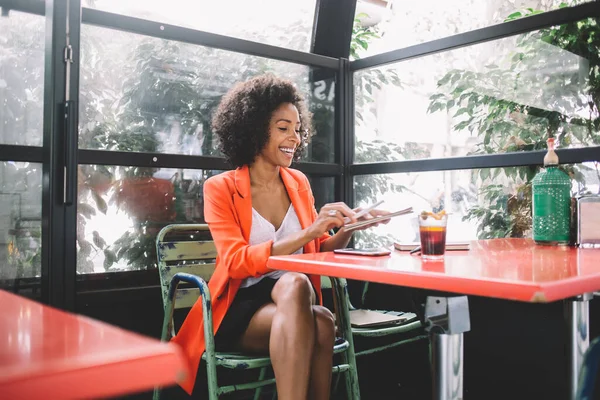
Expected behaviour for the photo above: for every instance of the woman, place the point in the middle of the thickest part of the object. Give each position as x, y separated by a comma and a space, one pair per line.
263, 208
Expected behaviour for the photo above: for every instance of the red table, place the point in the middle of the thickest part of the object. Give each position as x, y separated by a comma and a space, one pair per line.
46, 353
511, 269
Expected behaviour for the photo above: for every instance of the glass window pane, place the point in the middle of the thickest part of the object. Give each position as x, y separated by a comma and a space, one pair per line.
122, 209
323, 189
21, 79
483, 203
20, 221
321, 99
164, 95
503, 96
284, 23
400, 24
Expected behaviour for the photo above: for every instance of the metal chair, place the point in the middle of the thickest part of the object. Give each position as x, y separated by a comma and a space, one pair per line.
186, 253
407, 333
590, 372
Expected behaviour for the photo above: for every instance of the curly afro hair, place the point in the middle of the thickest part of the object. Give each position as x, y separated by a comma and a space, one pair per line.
241, 122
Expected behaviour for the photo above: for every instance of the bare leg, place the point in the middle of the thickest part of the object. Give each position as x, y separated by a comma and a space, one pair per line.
287, 329
322, 361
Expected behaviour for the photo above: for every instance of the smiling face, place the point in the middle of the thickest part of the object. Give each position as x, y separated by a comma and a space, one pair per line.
284, 136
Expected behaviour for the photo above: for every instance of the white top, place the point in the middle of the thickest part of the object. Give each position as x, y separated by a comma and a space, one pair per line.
263, 231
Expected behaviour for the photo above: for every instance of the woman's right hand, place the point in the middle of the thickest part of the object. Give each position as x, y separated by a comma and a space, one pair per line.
331, 216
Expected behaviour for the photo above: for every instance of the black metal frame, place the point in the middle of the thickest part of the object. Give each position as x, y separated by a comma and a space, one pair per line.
341, 124
162, 160
20, 153
329, 53
332, 31
346, 147
530, 158
37, 7
59, 220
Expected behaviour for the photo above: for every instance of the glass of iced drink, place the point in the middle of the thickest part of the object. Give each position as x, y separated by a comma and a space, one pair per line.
432, 229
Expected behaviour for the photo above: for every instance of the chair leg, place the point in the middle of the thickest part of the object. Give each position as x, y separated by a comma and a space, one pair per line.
211, 374
261, 376
165, 335
351, 378
348, 357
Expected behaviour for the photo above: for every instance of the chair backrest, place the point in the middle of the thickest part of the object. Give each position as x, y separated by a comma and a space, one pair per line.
184, 248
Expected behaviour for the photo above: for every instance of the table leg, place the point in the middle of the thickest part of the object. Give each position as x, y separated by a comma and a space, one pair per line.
446, 319
577, 315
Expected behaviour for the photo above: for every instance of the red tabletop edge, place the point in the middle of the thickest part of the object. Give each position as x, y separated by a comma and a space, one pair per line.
51, 354
511, 269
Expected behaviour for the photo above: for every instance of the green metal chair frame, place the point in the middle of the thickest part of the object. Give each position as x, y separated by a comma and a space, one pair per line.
414, 330
192, 261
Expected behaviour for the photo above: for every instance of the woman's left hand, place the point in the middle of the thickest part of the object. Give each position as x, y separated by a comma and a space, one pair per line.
370, 215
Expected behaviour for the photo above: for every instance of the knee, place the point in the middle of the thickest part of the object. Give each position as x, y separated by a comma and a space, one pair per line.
295, 287
325, 325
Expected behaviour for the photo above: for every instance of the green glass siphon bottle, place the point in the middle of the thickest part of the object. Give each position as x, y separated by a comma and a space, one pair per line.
551, 213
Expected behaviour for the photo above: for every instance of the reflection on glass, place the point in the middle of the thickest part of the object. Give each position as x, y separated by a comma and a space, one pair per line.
503, 96
163, 97
121, 210
482, 204
400, 24
284, 23
20, 220
321, 101
21, 79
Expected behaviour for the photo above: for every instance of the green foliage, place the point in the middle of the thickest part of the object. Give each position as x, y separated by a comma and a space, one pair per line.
24, 250
166, 84
21, 123
361, 36
165, 81
481, 103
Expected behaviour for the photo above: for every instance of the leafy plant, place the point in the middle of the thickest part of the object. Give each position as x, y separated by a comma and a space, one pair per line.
21, 123
170, 86
488, 104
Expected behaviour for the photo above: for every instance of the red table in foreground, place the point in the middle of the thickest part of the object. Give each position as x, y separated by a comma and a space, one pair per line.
46, 353
511, 269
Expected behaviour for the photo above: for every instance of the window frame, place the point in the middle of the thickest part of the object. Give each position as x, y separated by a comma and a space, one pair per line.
473, 37
329, 53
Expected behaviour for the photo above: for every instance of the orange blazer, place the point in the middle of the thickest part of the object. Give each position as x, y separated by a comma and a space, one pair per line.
228, 213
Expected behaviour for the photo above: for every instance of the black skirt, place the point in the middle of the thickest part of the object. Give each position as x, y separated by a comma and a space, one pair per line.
246, 303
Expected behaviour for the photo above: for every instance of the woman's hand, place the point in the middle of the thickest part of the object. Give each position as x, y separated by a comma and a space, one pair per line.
331, 216
342, 237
